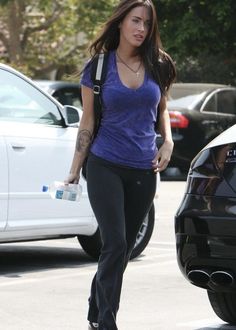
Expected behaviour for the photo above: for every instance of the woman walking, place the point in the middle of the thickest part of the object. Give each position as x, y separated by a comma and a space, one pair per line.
123, 158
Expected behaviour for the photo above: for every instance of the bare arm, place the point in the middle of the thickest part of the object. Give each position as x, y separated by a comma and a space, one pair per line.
84, 136
163, 156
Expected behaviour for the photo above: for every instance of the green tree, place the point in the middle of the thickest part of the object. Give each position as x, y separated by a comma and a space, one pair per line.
38, 36
201, 37
94, 14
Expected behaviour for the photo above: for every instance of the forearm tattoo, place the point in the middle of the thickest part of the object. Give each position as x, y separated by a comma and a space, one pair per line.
83, 141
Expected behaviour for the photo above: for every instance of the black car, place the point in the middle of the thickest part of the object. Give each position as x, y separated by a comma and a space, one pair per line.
67, 93
205, 224
202, 113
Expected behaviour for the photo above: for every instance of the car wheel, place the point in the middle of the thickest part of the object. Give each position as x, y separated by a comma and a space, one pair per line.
92, 244
224, 305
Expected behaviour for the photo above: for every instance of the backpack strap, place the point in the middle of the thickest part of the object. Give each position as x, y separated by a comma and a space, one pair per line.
98, 76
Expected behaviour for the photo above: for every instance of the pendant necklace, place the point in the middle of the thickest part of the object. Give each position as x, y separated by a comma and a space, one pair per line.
131, 69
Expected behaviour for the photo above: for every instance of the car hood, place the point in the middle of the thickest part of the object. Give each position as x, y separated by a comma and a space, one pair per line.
228, 136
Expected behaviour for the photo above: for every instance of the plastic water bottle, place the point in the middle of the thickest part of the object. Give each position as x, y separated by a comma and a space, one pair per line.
59, 190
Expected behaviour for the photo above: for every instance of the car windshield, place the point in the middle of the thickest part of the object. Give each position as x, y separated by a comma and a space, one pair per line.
20, 101
188, 102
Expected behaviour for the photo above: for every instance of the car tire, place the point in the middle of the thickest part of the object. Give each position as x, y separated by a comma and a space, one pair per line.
224, 305
92, 244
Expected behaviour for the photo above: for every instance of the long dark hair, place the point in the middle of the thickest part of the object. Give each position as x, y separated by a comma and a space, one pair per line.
157, 62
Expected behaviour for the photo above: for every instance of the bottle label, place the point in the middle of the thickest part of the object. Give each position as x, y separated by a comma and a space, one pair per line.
59, 194
73, 196
70, 192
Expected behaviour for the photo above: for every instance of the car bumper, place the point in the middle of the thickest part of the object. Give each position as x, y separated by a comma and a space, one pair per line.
205, 230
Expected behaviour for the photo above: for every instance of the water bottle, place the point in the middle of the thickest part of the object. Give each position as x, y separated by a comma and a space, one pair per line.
59, 190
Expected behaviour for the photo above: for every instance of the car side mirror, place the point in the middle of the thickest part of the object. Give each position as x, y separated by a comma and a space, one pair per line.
71, 115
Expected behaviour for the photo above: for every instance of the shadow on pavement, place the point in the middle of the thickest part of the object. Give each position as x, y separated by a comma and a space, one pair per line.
18, 259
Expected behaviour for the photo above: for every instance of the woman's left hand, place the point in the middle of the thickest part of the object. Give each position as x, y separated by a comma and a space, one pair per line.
163, 156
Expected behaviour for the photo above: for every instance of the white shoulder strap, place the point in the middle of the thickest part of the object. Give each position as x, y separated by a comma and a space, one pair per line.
99, 66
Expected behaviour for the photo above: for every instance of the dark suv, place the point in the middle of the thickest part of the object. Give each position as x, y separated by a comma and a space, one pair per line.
205, 224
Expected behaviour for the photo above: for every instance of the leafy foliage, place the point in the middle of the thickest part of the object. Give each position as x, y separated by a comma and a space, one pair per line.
200, 36
47, 35
50, 35
94, 14
4, 2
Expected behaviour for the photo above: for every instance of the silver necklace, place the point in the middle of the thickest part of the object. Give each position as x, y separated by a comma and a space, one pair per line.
131, 69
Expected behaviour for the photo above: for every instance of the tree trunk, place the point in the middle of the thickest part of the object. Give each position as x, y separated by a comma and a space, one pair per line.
15, 27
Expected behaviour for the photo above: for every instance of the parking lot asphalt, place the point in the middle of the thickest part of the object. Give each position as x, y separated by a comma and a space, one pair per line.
45, 285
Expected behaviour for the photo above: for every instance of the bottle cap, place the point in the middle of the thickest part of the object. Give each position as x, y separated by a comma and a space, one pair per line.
45, 188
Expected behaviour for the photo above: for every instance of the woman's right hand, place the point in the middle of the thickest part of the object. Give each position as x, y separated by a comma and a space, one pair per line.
72, 178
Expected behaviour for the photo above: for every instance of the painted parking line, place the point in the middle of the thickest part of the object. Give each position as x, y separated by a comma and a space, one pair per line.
157, 248
76, 272
48, 276
154, 264
158, 256
162, 243
89, 269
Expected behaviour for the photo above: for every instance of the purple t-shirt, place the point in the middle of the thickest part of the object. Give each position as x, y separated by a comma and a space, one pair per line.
126, 135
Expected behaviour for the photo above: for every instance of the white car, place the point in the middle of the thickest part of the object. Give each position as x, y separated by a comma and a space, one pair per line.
37, 139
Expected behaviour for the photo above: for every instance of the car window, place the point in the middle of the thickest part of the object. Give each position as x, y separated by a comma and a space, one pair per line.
68, 96
227, 102
20, 101
222, 102
211, 104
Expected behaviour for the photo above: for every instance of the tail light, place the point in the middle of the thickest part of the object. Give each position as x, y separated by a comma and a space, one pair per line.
178, 120
213, 172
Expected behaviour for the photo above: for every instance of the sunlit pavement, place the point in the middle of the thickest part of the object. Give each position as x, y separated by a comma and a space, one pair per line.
45, 285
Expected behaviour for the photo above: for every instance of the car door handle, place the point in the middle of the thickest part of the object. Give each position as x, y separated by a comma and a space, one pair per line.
18, 146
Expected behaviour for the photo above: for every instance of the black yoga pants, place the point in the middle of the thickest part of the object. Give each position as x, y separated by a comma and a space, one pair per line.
120, 198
